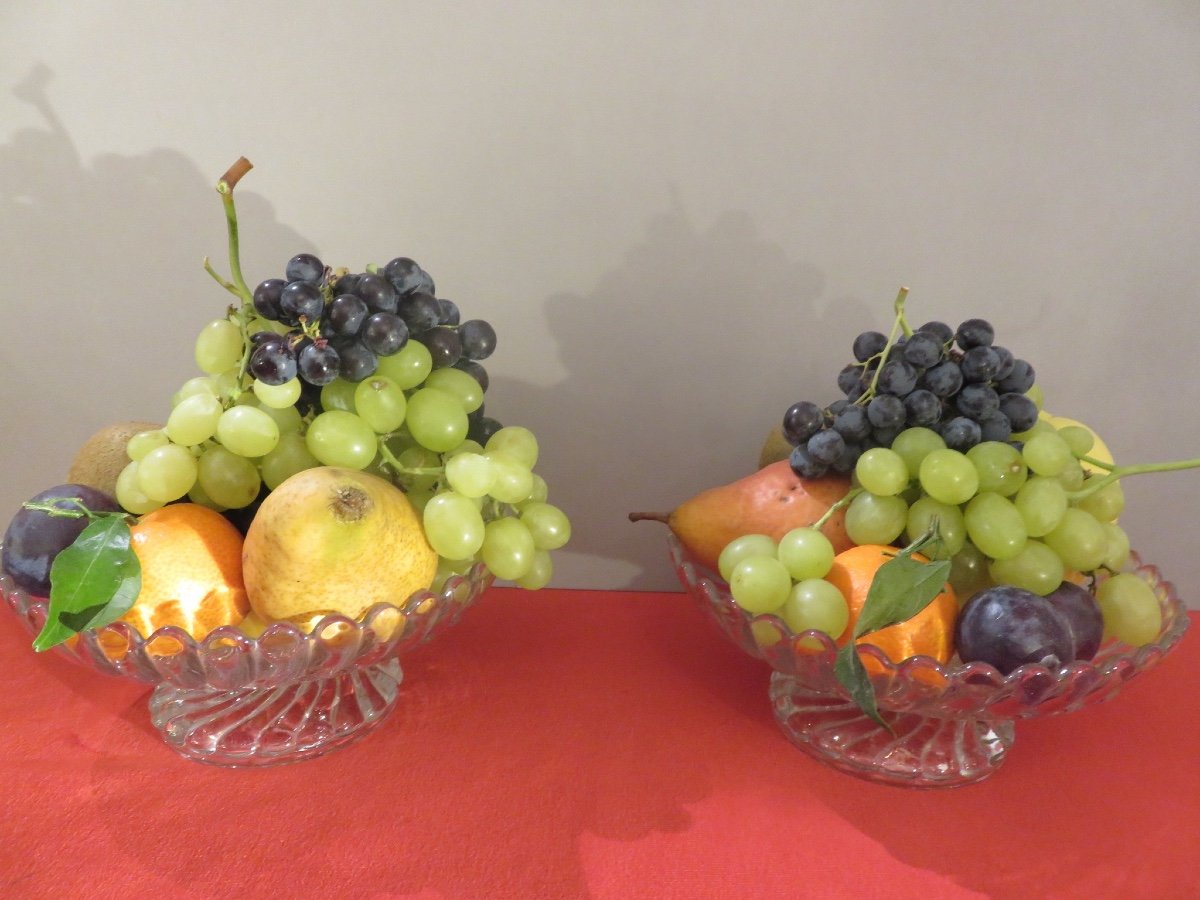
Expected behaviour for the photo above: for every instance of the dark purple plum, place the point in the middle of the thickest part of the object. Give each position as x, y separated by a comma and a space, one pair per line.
1009, 627
34, 538
1078, 608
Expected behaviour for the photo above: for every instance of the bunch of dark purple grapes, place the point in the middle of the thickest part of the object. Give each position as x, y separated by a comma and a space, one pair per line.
958, 383
342, 324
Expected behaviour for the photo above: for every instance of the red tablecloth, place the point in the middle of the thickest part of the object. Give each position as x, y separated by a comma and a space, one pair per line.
585, 744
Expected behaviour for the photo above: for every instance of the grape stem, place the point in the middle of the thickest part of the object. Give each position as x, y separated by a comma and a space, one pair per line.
839, 505
225, 188
390, 459
899, 324
1115, 473
229, 286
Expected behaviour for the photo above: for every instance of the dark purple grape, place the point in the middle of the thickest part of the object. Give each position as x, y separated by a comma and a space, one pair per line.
826, 446
476, 371
377, 292
923, 350
346, 314
975, 333
347, 283
848, 458
355, 362
979, 364
384, 333
898, 376
33, 538
940, 330
404, 274
1006, 362
1079, 610
266, 337
943, 380
885, 437
482, 428
977, 401
301, 299
318, 363
850, 379
425, 284
444, 345
266, 298
868, 344
273, 363
304, 267
995, 427
922, 408
851, 423
450, 312
1022, 413
1008, 627
801, 421
1019, 380
886, 411
804, 464
961, 433
478, 339
419, 311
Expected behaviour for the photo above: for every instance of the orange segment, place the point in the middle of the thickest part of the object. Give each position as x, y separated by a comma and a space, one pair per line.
929, 633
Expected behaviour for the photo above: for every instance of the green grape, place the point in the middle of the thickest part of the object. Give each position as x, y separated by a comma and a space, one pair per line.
194, 420
760, 584
457, 382
448, 567
129, 493
540, 490
380, 403
166, 473
815, 604
914, 444
228, 383
539, 573
247, 431
144, 441
229, 480
1041, 426
994, 526
277, 396
219, 347
1129, 608
417, 457
1000, 467
969, 573
1072, 476
340, 438
508, 548
1078, 438
516, 442
288, 419
806, 553
436, 419
513, 480
1106, 504
948, 476
338, 394
1035, 394
421, 492
1116, 547
197, 495
290, 456
1041, 501
453, 525
467, 446
1080, 540
743, 547
881, 471
1047, 453
1036, 568
548, 524
408, 367
952, 531
471, 474
201, 384
871, 519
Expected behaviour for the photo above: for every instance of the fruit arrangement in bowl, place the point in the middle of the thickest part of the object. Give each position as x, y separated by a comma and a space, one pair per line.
927, 558
328, 493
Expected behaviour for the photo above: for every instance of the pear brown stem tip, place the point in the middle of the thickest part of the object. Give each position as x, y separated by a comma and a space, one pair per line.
654, 517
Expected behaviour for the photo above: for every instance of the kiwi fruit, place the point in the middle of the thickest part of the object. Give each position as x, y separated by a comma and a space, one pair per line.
102, 456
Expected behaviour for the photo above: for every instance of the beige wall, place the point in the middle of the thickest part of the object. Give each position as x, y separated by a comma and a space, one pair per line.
677, 215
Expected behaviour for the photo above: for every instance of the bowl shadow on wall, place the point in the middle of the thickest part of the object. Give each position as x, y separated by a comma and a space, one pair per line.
110, 252
678, 363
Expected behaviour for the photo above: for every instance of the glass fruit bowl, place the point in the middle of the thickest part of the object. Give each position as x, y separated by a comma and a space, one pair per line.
285, 696
950, 724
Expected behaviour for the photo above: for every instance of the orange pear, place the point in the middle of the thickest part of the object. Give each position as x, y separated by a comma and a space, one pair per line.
772, 501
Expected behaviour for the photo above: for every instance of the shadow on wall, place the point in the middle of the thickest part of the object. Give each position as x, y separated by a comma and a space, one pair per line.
104, 261
679, 362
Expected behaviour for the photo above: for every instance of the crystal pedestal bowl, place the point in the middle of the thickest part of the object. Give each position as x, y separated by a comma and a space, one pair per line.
288, 695
950, 724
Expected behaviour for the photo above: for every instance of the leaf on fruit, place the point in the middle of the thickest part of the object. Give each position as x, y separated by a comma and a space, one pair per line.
92, 582
849, 670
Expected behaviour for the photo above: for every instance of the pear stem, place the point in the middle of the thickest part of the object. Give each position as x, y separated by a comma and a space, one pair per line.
665, 518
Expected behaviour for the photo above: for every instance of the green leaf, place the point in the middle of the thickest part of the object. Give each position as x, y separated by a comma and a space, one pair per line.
902, 587
92, 582
849, 670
